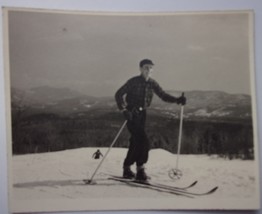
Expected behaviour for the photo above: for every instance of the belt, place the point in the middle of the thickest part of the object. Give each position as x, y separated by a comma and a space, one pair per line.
140, 109
136, 109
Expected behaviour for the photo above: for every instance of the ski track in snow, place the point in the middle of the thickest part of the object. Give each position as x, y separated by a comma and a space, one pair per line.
58, 175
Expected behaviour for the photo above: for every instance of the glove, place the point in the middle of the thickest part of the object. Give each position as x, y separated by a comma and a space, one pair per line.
181, 100
128, 115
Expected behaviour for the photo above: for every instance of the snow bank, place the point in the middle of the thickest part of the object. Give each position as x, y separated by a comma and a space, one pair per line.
58, 176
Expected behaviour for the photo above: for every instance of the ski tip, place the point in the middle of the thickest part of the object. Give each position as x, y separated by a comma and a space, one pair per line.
213, 190
194, 183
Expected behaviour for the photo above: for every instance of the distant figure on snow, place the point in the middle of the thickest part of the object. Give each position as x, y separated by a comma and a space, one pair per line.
97, 154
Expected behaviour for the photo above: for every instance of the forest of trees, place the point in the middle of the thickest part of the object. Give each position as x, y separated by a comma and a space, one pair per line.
46, 132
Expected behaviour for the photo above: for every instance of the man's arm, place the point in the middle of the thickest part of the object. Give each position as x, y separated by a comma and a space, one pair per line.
119, 97
121, 104
162, 94
167, 97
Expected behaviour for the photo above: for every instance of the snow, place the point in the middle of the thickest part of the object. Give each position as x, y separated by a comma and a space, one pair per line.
56, 178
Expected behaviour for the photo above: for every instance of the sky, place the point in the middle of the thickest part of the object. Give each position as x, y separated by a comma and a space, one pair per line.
97, 53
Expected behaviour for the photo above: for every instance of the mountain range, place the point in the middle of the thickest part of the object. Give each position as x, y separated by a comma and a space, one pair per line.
200, 104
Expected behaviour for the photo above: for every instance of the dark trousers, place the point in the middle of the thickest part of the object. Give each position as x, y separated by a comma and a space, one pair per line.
138, 143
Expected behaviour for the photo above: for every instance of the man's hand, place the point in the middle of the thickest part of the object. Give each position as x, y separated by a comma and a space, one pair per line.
181, 100
127, 114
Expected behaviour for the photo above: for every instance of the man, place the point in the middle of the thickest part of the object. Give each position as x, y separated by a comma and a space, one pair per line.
97, 154
133, 98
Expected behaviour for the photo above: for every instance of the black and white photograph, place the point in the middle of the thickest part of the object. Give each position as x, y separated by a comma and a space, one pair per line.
131, 110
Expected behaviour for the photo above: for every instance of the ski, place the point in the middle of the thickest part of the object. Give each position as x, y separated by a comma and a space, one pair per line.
150, 186
162, 185
165, 187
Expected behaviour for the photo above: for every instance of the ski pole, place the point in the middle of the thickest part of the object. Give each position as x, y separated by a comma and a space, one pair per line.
180, 135
176, 173
112, 144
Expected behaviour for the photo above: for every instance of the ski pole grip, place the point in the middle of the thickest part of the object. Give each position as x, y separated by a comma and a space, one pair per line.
183, 95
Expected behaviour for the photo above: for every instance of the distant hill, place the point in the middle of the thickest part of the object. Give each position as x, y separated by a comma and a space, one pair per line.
200, 104
209, 104
52, 119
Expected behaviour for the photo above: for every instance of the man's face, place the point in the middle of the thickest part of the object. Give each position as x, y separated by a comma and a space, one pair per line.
146, 71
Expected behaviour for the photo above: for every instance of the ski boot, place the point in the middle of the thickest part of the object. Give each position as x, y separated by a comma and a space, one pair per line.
141, 174
127, 173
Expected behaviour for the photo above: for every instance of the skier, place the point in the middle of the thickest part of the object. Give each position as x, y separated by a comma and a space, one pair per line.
97, 154
132, 99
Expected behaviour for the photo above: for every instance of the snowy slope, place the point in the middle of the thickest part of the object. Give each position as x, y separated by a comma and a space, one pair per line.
56, 178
